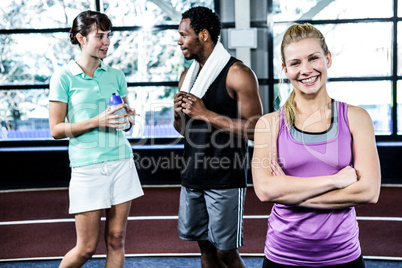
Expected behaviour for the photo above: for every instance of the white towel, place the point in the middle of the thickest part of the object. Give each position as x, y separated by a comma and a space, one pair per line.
211, 69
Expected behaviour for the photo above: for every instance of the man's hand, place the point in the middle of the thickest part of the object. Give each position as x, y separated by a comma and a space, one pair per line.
193, 106
178, 102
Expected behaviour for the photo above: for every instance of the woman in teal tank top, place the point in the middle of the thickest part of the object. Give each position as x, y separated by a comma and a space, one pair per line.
315, 159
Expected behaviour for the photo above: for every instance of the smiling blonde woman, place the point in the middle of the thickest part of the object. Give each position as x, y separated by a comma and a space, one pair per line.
315, 159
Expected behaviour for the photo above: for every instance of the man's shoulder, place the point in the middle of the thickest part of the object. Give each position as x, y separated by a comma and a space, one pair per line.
182, 76
239, 68
241, 77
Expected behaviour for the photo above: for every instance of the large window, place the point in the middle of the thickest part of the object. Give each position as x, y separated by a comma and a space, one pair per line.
35, 42
361, 37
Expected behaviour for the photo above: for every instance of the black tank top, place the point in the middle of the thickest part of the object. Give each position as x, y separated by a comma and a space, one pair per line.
214, 159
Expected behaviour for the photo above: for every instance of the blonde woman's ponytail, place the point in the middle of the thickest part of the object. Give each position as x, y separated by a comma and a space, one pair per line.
290, 109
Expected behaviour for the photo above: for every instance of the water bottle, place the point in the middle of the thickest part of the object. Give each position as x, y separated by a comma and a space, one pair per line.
114, 101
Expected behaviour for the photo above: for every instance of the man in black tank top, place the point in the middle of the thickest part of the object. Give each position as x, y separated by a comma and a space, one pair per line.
216, 127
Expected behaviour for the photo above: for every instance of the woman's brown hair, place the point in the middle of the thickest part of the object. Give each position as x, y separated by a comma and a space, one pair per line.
84, 23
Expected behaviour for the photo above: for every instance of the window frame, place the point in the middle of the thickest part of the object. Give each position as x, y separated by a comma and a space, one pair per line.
271, 81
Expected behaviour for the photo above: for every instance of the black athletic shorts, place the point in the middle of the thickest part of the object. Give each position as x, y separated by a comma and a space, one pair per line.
358, 263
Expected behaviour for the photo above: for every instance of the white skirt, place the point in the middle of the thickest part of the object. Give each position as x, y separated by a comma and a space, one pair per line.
103, 185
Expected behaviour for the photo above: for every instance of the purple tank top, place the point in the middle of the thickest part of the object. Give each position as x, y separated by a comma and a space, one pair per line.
313, 237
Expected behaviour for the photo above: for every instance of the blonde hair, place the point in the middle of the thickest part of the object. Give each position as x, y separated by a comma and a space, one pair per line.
295, 33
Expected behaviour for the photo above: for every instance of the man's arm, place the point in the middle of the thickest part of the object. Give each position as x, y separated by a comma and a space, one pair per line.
242, 85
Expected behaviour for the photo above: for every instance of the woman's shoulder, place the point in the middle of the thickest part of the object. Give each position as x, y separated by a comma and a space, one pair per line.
356, 111
61, 74
353, 110
275, 114
267, 127
268, 120
63, 70
358, 116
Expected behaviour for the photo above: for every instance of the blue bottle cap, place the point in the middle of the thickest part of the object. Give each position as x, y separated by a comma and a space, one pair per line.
115, 100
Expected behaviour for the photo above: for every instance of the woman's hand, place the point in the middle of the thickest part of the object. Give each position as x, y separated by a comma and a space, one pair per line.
130, 113
109, 119
342, 179
276, 169
345, 177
